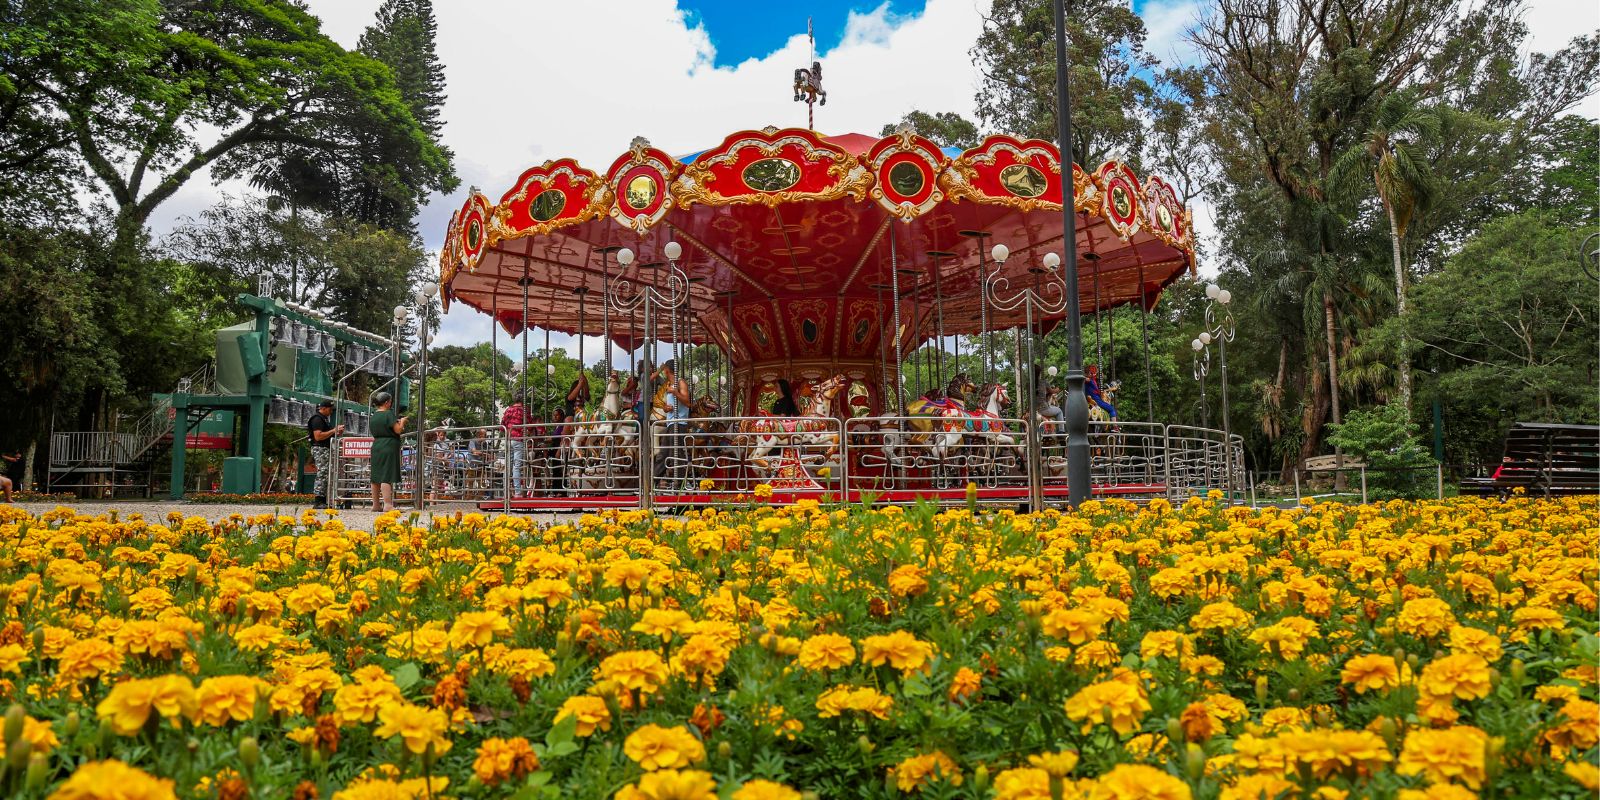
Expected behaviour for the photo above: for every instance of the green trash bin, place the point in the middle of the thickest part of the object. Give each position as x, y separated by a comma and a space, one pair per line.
239, 475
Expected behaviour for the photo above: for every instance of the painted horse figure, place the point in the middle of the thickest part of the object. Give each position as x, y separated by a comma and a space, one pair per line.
939, 417
811, 430
808, 85
990, 432
598, 440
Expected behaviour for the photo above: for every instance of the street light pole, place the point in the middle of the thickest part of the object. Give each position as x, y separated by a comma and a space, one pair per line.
1202, 366
1077, 405
1220, 328
424, 300
1036, 298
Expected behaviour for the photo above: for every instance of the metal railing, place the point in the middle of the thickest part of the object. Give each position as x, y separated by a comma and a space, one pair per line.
703, 460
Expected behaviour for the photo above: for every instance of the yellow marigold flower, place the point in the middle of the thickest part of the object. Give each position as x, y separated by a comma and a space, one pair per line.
865, 700
113, 780
1538, 617
1480, 643
1579, 728
763, 491
1058, 765
765, 790
504, 759
225, 698
1120, 704
670, 784
130, 703
477, 629
1425, 617
1259, 787
1584, 773
654, 747
1140, 782
663, 623
40, 736
524, 662
964, 684
1221, 616
900, 649
12, 657
1444, 756
628, 573
90, 658
908, 580
826, 651
703, 655
418, 727
635, 670
1439, 791
1023, 783
1076, 625
915, 771
360, 702
591, 712
550, 591
1371, 673
1463, 675
1165, 644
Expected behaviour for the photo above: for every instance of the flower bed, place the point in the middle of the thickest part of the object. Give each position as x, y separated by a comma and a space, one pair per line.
257, 499
1408, 650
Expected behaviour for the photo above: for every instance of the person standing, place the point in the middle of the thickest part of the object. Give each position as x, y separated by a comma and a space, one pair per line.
386, 431
514, 421
321, 431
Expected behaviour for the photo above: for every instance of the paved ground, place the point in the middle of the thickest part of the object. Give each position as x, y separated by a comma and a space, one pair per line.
359, 517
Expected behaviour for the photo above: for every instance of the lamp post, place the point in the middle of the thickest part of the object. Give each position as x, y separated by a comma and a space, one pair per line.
424, 298
1202, 366
625, 298
1220, 328
1047, 281
1077, 405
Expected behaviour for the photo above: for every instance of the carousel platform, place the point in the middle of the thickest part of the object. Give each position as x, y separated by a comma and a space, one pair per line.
956, 496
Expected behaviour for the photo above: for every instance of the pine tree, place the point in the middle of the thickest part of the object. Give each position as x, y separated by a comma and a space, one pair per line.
403, 37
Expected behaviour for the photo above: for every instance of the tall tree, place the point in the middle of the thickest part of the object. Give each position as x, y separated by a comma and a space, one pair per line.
404, 38
148, 93
1015, 56
1392, 153
946, 128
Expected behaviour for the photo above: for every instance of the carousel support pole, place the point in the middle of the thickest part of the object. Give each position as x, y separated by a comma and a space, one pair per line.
647, 467
1144, 330
1035, 457
1077, 410
899, 355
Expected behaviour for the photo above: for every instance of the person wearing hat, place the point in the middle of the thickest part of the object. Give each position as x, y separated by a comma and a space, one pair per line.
321, 431
386, 431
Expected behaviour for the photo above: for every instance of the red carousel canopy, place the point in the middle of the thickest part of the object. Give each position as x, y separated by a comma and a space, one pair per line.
805, 239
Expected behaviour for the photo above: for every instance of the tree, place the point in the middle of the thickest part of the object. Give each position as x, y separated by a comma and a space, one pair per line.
356, 271
946, 128
403, 38
1385, 440
1015, 56
148, 94
1392, 150
1514, 322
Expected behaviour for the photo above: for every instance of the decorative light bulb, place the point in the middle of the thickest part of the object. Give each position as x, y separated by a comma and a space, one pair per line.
1000, 253
624, 256
1212, 290
1052, 371
429, 289
1052, 260
673, 250
1205, 337
401, 313
1197, 345
549, 369
1224, 297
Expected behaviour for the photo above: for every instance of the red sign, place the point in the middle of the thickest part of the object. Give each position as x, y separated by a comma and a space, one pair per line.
353, 447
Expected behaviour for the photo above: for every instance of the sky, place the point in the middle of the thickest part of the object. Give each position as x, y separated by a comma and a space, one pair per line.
531, 80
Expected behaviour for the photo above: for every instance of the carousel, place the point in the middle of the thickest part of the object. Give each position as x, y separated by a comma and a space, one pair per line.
845, 317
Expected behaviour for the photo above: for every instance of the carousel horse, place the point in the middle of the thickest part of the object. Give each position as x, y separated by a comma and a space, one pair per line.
987, 427
707, 439
1108, 393
810, 431
808, 85
593, 434
937, 416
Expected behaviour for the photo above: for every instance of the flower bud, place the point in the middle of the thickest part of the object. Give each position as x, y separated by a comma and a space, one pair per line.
1387, 729
38, 639
980, 778
1261, 689
865, 745
1494, 678
1519, 671
38, 771
1174, 731
71, 725
1294, 695
17, 754
249, 752
724, 749
15, 715
1194, 762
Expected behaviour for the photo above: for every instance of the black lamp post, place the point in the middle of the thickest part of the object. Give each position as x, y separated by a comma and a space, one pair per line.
1077, 405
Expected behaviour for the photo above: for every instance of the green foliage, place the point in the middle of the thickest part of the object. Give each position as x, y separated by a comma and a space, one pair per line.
1386, 440
946, 128
1015, 55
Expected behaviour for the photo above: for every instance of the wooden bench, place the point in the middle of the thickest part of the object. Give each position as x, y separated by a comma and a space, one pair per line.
1545, 460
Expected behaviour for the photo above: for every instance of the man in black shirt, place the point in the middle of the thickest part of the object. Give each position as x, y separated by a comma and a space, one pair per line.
322, 430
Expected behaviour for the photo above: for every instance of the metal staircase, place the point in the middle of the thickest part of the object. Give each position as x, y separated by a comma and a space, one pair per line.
107, 463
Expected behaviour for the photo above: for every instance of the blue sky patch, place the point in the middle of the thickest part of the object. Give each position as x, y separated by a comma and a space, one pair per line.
740, 30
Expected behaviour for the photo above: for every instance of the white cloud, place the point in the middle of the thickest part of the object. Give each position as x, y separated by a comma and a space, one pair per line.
1167, 24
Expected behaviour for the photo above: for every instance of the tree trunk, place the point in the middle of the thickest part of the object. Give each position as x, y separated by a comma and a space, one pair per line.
27, 466
1333, 377
1404, 361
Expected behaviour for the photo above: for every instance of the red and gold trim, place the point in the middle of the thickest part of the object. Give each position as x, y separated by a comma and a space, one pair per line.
472, 238
1119, 201
641, 186
905, 169
1025, 175
770, 167
1164, 215
550, 196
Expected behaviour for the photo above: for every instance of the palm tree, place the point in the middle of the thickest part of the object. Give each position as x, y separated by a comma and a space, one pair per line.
1390, 149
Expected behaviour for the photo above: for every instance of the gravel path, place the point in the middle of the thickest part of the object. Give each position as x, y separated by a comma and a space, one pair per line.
359, 517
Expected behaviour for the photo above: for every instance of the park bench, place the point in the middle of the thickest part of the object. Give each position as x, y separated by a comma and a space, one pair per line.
1544, 460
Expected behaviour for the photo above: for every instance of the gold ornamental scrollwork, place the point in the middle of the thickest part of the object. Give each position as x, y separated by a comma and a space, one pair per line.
694, 186
599, 200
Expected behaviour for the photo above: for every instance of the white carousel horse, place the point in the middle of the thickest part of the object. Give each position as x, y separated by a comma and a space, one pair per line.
937, 417
987, 427
597, 436
810, 431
